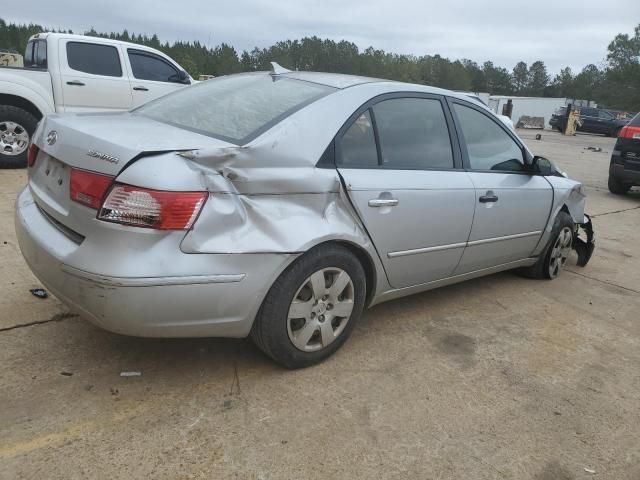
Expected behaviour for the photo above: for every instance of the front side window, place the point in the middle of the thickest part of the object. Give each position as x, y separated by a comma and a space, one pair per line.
93, 58
489, 147
236, 108
146, 66
358, 146
413, 134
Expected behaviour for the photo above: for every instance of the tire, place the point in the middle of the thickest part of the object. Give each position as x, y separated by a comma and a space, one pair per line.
616, 187
319, 334
22, 124
544, 267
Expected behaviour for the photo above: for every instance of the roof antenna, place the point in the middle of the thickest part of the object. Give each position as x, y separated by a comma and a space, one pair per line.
276, 69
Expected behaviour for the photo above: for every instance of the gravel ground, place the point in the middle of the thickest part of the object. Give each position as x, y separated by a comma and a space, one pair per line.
499, 377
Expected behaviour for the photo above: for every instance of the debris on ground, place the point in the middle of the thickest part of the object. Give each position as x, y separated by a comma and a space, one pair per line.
88, 387
589, 470
593, 149
66, 374
39, 292
114, 391
130, 374
526, 121
538, 137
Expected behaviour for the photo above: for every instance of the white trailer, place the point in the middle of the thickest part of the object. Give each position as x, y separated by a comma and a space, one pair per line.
529, 106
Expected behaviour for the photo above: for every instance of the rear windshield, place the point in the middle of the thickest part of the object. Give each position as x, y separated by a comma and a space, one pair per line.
237, 108
635, 121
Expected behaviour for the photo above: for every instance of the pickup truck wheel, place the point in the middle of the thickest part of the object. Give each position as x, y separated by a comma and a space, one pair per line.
16, 128
312, 308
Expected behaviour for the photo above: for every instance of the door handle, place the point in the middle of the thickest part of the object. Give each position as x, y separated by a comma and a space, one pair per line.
383, 202
489, 198
76, 83
141, 89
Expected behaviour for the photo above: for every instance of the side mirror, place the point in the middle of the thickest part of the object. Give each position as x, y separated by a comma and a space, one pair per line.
543, 166
181, 77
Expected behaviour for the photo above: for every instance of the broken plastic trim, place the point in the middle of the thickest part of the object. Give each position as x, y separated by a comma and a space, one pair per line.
584, 248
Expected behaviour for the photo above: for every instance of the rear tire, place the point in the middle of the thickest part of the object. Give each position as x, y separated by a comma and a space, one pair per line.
16, 127
554, 257
297, 342
616, 187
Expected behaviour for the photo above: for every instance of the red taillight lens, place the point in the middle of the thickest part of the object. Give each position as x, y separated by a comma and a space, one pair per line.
32, 154
630, 132
142, 207
89, 188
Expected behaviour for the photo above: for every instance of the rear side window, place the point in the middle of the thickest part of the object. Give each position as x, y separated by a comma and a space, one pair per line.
93, 58
413, 134
489, 147
358, 145
603, 114
36, 54
236, 108
146, 66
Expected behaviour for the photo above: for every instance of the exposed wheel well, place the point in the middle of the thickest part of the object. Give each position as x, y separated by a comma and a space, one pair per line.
20, 102
367, 263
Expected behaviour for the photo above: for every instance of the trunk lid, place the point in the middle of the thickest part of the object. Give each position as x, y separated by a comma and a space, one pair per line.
101, 143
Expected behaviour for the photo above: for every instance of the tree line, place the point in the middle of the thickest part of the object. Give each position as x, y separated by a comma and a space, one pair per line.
614, 83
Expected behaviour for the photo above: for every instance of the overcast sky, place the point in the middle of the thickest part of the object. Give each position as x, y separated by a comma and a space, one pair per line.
560, 32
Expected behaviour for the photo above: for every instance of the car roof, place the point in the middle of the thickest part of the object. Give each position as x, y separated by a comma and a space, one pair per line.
342, 81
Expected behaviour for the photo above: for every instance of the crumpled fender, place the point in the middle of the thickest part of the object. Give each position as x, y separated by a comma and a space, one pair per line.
567, 194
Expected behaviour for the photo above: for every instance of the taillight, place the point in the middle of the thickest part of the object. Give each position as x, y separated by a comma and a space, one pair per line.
142, 207
629, 131
32, 154
89, 188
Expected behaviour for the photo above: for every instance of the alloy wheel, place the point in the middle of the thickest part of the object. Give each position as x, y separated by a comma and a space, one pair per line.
560, 252
320, 309
14, 138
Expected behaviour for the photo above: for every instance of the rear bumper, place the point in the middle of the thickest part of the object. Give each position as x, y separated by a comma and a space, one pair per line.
221, 298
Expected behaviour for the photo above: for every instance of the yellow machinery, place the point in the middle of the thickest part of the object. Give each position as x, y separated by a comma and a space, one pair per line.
8, 59
573, 122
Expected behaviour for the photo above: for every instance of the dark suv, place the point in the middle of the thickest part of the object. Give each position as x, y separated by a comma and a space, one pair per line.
593, 120
624, 170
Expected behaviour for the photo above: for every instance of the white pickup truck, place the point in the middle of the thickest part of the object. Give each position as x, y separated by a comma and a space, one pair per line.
74, 73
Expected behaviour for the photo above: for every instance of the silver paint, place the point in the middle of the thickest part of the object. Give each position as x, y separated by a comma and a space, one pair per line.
268, 204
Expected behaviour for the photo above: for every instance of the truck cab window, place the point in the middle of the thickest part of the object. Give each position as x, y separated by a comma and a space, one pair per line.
35, 55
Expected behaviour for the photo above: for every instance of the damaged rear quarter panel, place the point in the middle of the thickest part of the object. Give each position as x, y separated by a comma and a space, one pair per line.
288, 222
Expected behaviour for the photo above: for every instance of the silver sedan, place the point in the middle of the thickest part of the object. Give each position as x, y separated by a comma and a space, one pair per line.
281, 204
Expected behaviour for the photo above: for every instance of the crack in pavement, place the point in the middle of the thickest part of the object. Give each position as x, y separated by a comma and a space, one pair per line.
56, 318
615, 211
603, 281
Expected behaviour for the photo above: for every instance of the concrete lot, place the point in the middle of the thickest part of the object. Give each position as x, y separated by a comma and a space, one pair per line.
500, 377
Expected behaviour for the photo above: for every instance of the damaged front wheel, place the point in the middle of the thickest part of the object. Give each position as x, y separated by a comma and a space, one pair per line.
553, 259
